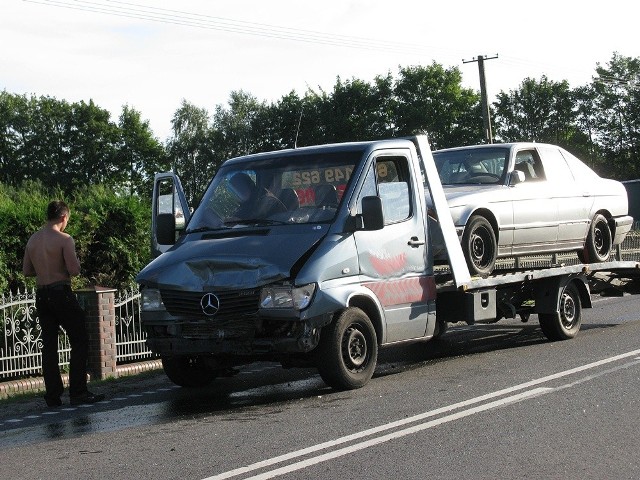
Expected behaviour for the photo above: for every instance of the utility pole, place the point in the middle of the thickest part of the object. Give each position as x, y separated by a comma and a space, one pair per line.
486, 114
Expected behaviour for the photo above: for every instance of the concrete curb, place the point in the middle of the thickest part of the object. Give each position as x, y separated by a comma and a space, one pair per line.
36, 384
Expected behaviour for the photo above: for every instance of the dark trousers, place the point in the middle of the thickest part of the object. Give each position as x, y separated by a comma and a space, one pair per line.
58, 307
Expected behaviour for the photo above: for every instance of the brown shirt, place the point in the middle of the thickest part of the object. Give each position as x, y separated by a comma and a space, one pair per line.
50, 255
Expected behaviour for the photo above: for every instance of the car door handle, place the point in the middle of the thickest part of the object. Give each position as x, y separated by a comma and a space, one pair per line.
415, 242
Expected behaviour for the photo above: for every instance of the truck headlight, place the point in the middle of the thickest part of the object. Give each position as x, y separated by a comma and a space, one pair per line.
297, 298
151, 299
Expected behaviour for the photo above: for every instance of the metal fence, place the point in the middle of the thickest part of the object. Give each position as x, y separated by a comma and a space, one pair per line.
21, 345
130, 337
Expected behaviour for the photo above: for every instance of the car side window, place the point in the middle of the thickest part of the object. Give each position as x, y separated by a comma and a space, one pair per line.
390, 181
555, 165
528, 162
581, 172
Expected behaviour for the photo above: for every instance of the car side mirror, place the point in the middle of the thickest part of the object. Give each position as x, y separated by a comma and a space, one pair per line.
166, 229
516, 177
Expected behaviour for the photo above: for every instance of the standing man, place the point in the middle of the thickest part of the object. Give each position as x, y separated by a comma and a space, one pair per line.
50, 256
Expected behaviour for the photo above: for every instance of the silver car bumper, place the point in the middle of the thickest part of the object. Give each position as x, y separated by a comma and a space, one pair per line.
622, 227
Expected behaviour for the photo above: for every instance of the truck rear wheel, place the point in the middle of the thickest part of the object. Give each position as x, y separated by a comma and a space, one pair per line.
348, 351
564, 324
187, 371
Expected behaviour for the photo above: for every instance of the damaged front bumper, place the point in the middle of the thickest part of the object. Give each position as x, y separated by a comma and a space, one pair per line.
250, 336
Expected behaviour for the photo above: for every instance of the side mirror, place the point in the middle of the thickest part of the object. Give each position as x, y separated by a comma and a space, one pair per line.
516, 177
166, 229
372, 213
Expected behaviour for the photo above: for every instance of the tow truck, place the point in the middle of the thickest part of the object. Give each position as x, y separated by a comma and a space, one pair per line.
321, 256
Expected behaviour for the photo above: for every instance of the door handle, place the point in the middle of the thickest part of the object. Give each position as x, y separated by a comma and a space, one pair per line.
415, 242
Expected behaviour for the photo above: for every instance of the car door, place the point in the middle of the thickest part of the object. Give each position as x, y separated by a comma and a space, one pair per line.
573, 199
393, 260
535, 208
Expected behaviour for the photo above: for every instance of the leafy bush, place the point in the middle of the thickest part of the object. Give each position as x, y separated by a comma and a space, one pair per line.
110, 229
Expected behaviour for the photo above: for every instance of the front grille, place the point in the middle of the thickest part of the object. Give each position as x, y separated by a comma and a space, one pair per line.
234, 305
218, 330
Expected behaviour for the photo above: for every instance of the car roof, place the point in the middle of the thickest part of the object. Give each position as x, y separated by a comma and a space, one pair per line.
506, 146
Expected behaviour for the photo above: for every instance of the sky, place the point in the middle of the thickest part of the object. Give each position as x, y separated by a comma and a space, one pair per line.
152, 55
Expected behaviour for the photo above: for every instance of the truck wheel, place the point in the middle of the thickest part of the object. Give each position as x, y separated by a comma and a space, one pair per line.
564, 324
187, 371
599, 243
479, 246
348, 351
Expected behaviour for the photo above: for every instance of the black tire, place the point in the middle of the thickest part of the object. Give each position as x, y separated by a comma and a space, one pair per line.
599, 243
564, 324
187, 371
479, 246
348, 351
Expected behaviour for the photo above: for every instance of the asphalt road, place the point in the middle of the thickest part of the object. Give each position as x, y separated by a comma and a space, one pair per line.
485, 402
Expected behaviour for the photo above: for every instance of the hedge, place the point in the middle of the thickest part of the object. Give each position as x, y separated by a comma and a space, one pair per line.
110, 229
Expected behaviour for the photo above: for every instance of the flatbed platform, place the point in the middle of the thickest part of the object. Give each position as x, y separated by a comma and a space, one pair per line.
620, 270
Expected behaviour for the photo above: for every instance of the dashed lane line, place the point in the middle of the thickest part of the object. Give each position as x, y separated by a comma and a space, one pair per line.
14, 421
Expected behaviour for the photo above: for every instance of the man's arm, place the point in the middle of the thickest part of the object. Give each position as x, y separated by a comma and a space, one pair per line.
27, 265
70, 258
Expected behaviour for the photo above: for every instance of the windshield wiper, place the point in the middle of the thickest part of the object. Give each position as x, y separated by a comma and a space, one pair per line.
255, 221
205, 229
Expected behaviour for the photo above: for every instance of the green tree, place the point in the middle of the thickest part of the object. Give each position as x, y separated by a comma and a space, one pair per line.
141, 151
431, 99
285, 123
617, 114
538, 111
92, 140
191, 150
240, 126
354, 110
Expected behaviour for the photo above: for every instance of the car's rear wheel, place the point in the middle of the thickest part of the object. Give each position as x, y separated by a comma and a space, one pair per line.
599, 243
479, 246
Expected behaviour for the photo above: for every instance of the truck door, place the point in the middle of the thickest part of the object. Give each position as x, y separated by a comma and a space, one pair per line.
169, 202
393, 261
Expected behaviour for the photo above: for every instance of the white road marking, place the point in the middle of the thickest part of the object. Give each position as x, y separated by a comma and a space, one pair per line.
401, 433
416, 418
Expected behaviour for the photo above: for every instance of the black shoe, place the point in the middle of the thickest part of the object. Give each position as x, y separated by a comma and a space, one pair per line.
86, 398
53, 401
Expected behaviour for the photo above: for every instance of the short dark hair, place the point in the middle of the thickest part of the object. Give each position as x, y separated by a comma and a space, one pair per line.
56, 209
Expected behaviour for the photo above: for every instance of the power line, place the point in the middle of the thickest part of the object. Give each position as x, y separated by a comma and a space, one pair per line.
181, 18
126, 9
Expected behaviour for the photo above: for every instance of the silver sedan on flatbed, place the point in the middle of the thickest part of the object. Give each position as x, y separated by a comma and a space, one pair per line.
514, 199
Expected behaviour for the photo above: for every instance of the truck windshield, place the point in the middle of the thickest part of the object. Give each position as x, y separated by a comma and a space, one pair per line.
276, 190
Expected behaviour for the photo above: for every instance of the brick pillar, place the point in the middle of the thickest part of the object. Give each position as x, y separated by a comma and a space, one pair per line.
98, 303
